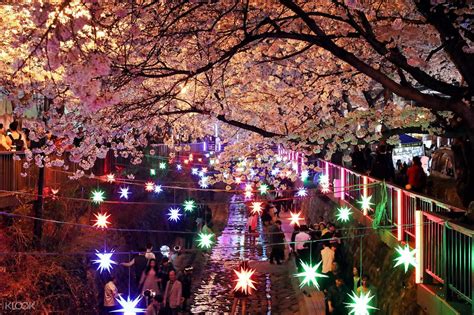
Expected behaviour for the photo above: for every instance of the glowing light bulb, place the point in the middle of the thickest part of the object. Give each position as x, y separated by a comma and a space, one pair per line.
304, 175
194, 171
101, 220
162, 165
152, 172
248, 194
203, 183
263, 189
179, 167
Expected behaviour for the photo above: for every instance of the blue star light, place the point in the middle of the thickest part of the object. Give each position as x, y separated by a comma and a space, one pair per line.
105, 261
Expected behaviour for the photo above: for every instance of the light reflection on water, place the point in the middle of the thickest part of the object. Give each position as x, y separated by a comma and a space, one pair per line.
215, 294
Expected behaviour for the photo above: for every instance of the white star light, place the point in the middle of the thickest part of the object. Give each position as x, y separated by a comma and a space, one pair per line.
110, 178
179, 167
203, 182
105, 261
194, 171
157, 189
174, 214
406, 257
295, 218
149, 186
310, 274
304, 175
302, 192
365, 202
124, 192
275, 171
101, 220
257, 207
360, 304
248, 194
129, 307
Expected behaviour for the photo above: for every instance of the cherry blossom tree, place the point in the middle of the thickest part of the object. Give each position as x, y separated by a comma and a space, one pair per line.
311, 75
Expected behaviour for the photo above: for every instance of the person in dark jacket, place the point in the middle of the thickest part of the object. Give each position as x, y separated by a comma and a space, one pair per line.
358, 160
278, 239
186, 282
139, 262
382, 167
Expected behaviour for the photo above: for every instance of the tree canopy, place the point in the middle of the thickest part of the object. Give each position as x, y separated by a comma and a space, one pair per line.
312, 75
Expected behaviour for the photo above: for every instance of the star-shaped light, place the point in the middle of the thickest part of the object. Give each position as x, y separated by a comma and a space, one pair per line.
295, 218
189, 205
325, 187
152, 172
101, 220
174, 214
343, 214
406, 257
304, 175
248, 194
360, 304
162, 165
149, 186
257, 207
205, 240
310, 274
244, 284
110, 178
203, 183
129, 307
248, 187
275, 171
98, 196
179, 167
201, 174
194, 171
263, 189
238, 180
365, 202
323, 178
302, 192
54, 191
124, 192
105, 261
157, 189
165, 250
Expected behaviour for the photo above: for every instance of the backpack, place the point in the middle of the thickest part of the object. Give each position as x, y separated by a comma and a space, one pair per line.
18, 143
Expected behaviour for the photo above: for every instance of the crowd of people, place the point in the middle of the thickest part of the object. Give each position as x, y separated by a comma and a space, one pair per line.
165, 290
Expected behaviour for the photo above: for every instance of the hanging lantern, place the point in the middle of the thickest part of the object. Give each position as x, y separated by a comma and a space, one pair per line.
98, 196
365, 202
205, 240
310, 274
244, 280
174, 214
105, 261
295, 218
101, 220
110, 178
302, 192
343, 214
189, 205
149, 186
124, 192
257, 207
129, 307
406, 257
360, 304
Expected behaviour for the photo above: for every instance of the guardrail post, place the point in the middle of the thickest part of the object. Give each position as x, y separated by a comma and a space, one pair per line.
365, 191
342, 184
399, 215
419, 246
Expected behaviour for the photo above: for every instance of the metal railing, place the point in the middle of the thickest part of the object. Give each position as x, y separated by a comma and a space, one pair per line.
444, 247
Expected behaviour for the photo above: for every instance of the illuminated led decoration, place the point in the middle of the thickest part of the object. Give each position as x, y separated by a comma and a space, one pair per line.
304, 175
360, 304
191, 157
310, 274
165, 250
129, 307
157, 189
203, 183
343, 214
174, 214
105, 261
189, 205
201, 174
54, 191
263, 189
124, 192
179, 167
406, 257
162, 165
257, 207
238, 180
204, 170
149, 186
205, 240
323, 179
295, 218
324, 187
186, 162
98, 196
110, 178
194, 171
275, 171
101, 220
365, 202
248, 187
152, 172
302, 192
244, 284
248, 194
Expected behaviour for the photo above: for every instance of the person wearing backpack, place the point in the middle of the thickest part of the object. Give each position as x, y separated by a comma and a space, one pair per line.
15, 139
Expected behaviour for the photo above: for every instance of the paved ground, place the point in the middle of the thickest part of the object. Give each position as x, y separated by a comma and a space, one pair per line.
277, 290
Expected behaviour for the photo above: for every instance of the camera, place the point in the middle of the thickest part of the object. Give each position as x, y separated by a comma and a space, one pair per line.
149, 293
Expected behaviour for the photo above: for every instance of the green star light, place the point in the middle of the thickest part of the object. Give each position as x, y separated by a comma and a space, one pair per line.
406, 257
365, 202
152, 172
205, 240
162, 165
98, 196
189, 205
310, 274
360, 304
343, 214
263, 189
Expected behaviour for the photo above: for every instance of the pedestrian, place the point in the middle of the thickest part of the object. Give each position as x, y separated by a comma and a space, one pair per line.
15, 139
337, 297
110, 295
156, 306
327, 255
139, 262
358, 160
367, 288
302, 240
150, 278
186, 282
164, 270
355, 279
3, 143
296, 230
252, 223
382, 167
416, 176
149, 252
278, 243
173, 294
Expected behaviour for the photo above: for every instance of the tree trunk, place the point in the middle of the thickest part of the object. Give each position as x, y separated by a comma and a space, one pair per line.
38, 210
463, 149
